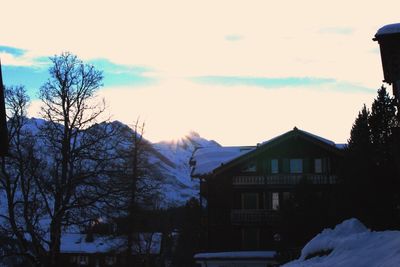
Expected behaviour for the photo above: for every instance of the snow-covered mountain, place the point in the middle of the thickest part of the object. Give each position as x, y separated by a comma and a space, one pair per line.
171, 159
179, 186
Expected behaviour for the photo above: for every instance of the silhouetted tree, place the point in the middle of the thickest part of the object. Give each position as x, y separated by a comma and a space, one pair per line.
360, 134
357, 196
135, 185
20, 170
77, 148
189, 234
382, 121
370, 181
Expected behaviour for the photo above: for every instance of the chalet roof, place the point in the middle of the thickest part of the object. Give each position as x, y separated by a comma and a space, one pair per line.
206, 161
76, 243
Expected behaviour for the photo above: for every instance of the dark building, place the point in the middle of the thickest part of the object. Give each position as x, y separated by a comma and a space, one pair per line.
244, 189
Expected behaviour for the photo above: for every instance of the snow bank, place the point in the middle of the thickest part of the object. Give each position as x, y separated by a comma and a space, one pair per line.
351, 244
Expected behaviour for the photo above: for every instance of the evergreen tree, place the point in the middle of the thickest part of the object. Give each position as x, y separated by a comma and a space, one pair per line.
382, 121
370, 176
358, 186
360, 135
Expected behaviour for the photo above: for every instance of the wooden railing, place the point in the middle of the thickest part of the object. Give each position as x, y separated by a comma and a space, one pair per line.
248, 180
285, 179
254, 216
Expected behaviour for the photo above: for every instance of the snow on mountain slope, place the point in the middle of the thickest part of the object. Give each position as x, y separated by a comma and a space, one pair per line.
170, 158
351, 244
179, 186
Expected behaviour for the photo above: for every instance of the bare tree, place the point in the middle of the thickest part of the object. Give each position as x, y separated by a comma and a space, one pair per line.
75, 145
19, 172
136, 185
70, 169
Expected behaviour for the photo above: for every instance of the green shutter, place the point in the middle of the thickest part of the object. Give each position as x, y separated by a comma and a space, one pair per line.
324, 165
267, 165
285, 166
306, 166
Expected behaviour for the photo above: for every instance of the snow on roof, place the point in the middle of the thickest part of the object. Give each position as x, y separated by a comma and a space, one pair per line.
76, 243
237, 255
389, 29
324, 140
209, 158
351, 244
341, 146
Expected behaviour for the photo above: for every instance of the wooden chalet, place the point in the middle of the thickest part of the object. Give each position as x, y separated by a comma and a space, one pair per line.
243, 189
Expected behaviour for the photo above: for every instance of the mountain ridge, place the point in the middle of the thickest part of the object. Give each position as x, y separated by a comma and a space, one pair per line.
171, 158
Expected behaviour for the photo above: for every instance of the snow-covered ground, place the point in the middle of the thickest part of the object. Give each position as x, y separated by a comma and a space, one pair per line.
351, 244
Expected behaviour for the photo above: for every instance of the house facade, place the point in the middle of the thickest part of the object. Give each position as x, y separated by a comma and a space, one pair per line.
244, 190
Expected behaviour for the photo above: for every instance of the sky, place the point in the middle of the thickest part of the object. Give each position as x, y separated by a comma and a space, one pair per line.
238, 72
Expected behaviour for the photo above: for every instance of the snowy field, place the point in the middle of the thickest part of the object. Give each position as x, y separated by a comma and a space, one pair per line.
351, 244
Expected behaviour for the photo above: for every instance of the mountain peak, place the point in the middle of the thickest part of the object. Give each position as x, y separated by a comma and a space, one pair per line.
193, 134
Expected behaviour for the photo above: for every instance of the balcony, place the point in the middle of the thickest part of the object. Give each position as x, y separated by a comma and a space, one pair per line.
284, 179
254, 216
248, 180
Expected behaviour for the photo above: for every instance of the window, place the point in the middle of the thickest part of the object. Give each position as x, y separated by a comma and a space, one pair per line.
110, 260
318, 165
83, 260
286, 196
296, 166
73, 259
274, 166
250, 238
249, 167
249, 201
275, 201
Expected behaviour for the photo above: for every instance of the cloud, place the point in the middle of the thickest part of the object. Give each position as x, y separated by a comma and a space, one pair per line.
311, 83
123, 75
336, 30
35, 72
12, 50
265, 82
14, 56
233, 38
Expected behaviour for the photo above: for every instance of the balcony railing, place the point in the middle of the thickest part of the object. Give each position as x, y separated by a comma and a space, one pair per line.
285, 179
254, 216
248, 180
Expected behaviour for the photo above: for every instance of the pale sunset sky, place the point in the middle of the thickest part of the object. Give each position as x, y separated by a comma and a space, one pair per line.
238, 72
